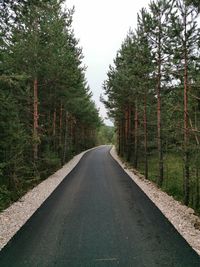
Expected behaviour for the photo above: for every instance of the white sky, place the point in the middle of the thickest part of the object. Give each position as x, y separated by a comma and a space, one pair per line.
101, 26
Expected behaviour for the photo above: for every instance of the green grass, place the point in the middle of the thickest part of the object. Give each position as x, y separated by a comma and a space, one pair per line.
173, 177
173, 173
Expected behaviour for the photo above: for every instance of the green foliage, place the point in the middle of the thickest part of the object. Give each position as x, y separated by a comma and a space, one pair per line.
106, 135
49, 162
38, 45
5, 197
160, 61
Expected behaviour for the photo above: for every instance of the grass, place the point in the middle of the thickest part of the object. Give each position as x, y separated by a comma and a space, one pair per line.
173, 173
173, 177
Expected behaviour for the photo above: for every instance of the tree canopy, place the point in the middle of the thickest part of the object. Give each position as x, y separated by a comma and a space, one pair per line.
152, 93
47, 113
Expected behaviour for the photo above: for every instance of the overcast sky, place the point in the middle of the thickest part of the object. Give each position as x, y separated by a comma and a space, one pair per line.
101, 26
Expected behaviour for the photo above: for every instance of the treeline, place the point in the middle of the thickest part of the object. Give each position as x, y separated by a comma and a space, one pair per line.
106, 135
153, 94
46, 111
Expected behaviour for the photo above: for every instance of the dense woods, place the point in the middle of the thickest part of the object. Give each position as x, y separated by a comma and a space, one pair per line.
46, 111
153, 93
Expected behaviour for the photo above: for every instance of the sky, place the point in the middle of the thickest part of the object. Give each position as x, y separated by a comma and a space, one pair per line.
101, 26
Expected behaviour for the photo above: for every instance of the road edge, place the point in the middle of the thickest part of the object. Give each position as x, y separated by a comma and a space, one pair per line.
180, 216
16, 215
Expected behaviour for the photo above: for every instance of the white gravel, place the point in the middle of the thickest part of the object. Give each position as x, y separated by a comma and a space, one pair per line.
14, 217
182, 217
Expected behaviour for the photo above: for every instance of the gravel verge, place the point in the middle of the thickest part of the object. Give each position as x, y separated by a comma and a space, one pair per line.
183, 218
15, 216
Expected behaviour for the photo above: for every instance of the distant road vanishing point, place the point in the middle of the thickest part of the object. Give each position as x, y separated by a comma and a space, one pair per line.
98, 217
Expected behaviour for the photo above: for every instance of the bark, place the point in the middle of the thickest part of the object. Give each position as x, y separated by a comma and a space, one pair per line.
186, 132
54, 122
66, 138
54, 129
145, 137
122, 137
35, 120
126, 125
35, 97
129, 134
160, 151
197, 200
60, 125
136, 136
119, 138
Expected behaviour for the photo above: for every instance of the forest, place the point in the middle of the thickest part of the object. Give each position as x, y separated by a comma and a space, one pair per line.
47, 114
152, 91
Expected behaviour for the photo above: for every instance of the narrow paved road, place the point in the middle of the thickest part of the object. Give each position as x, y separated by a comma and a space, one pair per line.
98, 217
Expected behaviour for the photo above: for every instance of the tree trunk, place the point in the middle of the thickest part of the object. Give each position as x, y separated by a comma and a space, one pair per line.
129, 134
197, 200
54, 122
66, 138
145, 136
60, 126
122, 137
119, 138
136, 136
35, 120
186, 133
160, 151
126, 132
54, 129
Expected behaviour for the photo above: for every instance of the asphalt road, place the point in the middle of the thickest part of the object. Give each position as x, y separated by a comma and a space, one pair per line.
98, 217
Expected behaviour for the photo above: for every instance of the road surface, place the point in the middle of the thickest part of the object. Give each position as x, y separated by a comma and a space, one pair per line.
98, 217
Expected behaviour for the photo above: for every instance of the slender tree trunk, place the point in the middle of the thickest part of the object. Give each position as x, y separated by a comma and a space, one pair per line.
35, 95
136, 136
54, 122
126, 132
54, 129
145, 136
35, 120
186, 132
129, 134
119, 138
84, 137
122, 137
66, 138
160, 151
60, 126
82, 146
197, 200
73, 133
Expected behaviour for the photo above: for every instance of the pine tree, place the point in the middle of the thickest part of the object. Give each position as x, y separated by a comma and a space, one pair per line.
52, 115
185, 39
156, 28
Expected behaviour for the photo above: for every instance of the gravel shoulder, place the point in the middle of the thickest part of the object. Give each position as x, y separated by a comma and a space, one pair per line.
15, 216
183, 218
98, 216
